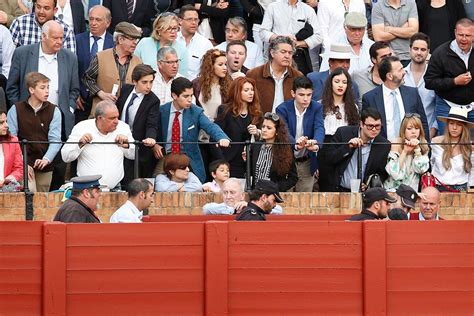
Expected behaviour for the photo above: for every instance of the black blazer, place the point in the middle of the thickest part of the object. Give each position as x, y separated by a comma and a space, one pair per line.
340, 156
147, 120
217, 17
284, 182
142, 16
78, 18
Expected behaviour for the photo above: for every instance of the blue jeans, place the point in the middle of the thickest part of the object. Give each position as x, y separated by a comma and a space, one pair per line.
442, 109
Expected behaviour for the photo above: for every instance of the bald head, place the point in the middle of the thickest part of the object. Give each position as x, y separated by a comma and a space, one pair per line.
232, 191
430, 203
52, 35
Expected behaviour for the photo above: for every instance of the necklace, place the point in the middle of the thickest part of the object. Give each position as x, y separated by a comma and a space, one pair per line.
243, 115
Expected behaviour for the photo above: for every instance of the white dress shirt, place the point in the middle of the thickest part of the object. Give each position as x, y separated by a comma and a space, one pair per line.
48, 66
299, 130
103, 159
279, 97
392, 130
162, 89
254, 54
132, 110
170, 127
6, 50
127, 213
100, 42
197, 47
283, 19
65, 14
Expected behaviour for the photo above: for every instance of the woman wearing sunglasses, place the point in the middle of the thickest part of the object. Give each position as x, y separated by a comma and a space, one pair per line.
408, 158
339, 109
452, 155
165, 31
177, 177
270, 160
239, 118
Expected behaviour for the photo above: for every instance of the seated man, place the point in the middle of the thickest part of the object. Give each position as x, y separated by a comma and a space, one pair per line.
105, 158
429, 206
375, 204
263, 199
140, 195
353, 143
234, 200
82, 205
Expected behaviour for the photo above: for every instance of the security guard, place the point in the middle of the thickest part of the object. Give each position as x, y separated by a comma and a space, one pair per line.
81, 206
263, 199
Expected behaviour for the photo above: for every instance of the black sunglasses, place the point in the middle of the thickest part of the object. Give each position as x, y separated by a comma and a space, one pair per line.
183, 167
271, 116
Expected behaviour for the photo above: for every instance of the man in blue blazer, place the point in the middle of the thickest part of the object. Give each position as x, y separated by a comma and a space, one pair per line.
61, 70
191, 120
339, 57
394, 100
99, 21
304, 119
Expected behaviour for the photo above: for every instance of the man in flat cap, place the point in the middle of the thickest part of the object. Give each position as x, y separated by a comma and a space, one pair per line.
375, 203
263, 199
113, 67
81, 206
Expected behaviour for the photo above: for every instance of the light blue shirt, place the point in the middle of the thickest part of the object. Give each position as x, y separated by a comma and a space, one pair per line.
351, 170
54, 132
223, 209
427, 96
164, 184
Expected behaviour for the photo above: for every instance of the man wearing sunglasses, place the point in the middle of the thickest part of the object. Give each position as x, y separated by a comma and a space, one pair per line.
358, 152
393, 99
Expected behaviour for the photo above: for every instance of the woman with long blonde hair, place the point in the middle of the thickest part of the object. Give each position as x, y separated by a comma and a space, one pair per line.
452, 161
408, 158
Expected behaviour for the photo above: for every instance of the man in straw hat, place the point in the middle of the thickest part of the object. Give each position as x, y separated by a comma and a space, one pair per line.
450, 70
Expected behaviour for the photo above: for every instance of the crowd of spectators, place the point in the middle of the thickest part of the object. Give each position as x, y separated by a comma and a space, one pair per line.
189, 79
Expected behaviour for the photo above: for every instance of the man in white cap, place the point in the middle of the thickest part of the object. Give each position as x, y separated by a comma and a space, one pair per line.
355, 24
339, 56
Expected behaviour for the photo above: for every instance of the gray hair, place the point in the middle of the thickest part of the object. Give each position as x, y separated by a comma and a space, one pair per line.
108, 15
280, 39
162, 52
47, 26
102, 106
239, 22
116, 35
234, 180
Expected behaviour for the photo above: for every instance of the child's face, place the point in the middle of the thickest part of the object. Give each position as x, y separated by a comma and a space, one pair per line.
222, 173
41, 91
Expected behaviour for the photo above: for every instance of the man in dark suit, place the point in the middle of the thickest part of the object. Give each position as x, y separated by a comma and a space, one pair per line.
138, 12
88, 44
358, 152
304, 118
188, 119
139, 107
339, 57
393, 100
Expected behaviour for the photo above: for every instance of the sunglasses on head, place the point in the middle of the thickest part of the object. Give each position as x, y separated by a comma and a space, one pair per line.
337, 112
410, 115
271, 116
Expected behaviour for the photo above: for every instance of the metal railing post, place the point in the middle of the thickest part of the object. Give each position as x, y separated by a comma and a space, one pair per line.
29, 212
136, 161
248, 183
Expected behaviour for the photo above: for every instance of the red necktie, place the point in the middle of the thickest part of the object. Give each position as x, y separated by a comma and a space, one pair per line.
175, 134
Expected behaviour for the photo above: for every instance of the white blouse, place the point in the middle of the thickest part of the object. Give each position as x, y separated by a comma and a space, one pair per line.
456, 175
331, 123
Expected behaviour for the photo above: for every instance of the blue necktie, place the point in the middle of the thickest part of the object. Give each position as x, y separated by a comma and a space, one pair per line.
396, 113
127, 116
95, 46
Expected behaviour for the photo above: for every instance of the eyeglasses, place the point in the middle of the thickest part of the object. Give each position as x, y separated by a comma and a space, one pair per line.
410, 115
337, 112
271, 116
373, 126
172, 29
191, 19
131, 38
170, 62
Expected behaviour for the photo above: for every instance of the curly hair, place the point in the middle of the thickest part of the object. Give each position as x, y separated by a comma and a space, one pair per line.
207, 75
282, 154
466, 150
233, 102
327, 99
416, 123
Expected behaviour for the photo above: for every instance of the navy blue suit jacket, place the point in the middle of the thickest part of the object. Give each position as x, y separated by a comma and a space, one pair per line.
78, 19
313, 124
84, 55
193, 120
319, 78
411, 102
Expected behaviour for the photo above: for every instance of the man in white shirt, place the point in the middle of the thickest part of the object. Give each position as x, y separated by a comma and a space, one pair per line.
106, 159
236, 53
354, 28
140, 196
196, 44
236, 29
168, 65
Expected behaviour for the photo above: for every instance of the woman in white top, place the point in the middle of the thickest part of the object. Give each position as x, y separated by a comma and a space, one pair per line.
408, 158
339, 109
452, 162
177, 177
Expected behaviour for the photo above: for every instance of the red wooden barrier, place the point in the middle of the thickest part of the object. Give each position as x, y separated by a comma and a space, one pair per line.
237, 268
206, 218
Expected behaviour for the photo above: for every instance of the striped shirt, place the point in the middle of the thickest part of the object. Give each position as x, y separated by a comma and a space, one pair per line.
264, 163
91, 74
26, 31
